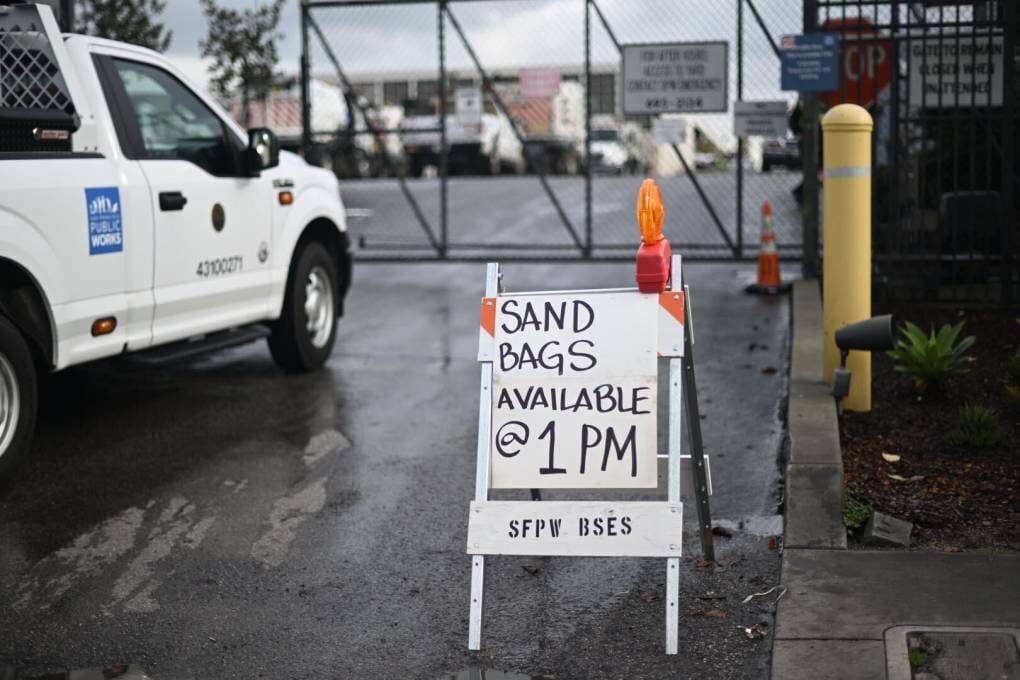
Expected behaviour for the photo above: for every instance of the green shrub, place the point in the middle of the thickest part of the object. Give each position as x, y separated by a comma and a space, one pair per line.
856, 509
978, 427
931, 359
1013, 371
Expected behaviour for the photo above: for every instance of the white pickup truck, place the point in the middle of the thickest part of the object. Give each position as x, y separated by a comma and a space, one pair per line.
137, 218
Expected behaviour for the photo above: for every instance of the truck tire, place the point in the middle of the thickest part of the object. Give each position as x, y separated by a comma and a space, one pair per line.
19, 398
303, 337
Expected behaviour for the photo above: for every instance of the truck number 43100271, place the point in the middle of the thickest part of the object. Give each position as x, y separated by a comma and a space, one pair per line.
220, 266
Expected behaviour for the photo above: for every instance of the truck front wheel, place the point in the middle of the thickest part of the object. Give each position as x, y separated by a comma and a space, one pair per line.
303, 337
19, 398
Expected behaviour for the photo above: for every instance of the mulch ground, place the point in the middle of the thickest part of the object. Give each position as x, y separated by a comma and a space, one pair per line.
957, 497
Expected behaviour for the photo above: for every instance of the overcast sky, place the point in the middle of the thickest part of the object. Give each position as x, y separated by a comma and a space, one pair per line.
185, 19
508, 33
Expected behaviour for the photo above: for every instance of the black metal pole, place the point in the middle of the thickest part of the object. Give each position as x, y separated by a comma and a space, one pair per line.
66, 19
587, 130
690, 392
1009, 182
444, 151
740, 140
306, 74
893, 230
809, 160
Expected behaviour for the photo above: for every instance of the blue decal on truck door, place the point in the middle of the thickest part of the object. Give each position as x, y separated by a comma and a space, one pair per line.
106, 229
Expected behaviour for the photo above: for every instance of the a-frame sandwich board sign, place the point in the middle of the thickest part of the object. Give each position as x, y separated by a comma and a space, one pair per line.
568, 400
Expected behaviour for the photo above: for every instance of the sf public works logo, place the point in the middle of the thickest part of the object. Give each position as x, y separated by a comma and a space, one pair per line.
106, 228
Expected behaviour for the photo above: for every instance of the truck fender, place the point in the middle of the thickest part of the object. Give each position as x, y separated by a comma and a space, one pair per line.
23, 302
28, 286
317, 222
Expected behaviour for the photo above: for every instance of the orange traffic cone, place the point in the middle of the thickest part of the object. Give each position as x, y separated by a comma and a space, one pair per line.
769, 281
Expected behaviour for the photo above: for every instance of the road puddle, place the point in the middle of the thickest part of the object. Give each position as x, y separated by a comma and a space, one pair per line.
477, 673
114, 672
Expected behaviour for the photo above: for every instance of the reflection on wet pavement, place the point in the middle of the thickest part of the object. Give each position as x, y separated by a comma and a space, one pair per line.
118, 671
476, 673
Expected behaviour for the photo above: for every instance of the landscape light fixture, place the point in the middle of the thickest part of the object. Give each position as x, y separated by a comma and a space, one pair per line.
871, 335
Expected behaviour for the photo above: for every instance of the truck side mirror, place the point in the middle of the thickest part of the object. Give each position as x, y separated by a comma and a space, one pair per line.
263, 150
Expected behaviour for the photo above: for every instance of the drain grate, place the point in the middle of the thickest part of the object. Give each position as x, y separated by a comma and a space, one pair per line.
952, 653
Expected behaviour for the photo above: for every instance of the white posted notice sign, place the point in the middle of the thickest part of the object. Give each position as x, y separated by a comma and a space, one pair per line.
675, 78
956, 72
760, 118
574, 391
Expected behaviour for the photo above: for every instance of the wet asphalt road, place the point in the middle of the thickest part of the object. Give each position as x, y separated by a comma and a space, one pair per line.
512, 210
219, 519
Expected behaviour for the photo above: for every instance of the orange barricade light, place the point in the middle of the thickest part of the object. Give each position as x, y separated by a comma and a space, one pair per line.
650, 212
653, 256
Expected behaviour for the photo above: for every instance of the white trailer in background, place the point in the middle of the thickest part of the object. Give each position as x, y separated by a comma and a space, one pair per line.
553, 125
669, 130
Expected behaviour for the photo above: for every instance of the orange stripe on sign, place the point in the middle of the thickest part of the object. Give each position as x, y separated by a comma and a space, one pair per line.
674, 304
489, 315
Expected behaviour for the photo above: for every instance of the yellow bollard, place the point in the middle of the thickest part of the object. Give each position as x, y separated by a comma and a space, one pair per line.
847, 238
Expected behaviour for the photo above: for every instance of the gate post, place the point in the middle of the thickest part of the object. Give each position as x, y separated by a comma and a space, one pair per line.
1010, 289
587, 130
809, 161
306, 103
444, 152
740, 140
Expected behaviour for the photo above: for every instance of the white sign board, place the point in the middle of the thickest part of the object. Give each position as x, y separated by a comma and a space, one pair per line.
669, 130
574, 396
956, 72
578, 528
540, 82
760, 118
675, 78
468, 104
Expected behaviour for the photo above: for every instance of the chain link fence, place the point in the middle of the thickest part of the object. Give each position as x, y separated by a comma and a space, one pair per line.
465, 128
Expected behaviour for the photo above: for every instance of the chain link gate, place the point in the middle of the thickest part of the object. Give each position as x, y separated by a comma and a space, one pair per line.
380, 78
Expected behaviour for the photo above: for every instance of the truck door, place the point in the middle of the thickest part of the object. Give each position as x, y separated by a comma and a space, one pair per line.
212, 222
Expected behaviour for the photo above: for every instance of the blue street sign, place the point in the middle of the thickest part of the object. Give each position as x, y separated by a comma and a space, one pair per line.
810, 62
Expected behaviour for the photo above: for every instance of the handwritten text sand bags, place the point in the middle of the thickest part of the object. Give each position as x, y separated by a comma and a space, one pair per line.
574, 391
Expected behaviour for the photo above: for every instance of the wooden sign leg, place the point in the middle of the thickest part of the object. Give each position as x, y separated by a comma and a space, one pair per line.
697, 447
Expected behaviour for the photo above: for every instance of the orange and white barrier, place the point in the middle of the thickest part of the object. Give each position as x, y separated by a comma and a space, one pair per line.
769, 281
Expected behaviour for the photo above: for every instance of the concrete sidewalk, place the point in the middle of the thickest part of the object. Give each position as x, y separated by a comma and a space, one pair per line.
846, 613
832, 621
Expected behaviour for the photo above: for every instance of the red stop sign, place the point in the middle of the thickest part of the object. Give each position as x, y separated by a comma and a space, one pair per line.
865, 63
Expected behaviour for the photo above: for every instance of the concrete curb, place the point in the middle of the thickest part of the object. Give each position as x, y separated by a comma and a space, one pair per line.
814, 471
